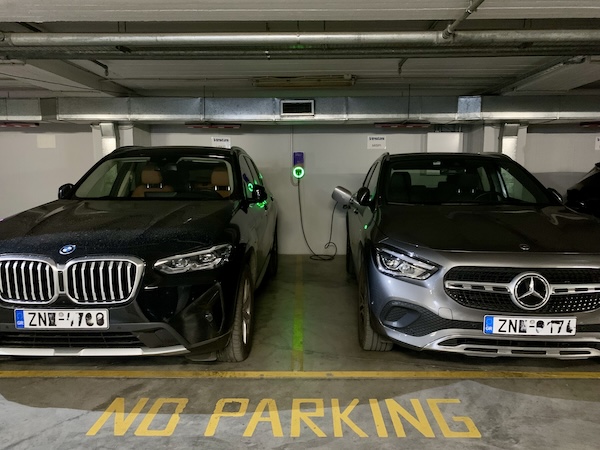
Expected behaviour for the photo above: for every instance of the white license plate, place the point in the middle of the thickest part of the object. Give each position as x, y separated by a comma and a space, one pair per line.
61, 319
528, 326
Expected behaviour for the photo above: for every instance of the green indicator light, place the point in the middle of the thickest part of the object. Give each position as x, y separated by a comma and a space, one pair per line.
298, 172
366, 226
250, 187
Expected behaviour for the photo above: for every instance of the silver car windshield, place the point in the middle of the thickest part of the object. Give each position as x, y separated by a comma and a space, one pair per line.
454, 180
144, 178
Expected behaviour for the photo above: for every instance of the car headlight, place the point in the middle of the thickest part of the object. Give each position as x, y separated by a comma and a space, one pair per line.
401, 265
210, 258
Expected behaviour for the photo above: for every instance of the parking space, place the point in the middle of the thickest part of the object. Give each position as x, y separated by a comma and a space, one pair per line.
306, 384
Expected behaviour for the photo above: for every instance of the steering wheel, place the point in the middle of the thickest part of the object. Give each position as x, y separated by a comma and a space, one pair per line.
494, 194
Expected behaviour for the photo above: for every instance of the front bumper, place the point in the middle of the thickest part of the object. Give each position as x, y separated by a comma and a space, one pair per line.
420, 315
193, 320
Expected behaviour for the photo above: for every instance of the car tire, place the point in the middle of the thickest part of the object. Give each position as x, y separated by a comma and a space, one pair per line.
367, 337
274, 256
240, 341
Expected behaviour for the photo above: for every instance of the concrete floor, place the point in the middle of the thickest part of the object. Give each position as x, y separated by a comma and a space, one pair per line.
305, 385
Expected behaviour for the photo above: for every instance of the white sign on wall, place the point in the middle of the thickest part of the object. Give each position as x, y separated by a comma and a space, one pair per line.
221, 141
597, 143
376, 142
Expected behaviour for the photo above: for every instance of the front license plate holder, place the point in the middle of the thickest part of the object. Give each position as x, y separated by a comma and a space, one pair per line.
529, 326
61, 319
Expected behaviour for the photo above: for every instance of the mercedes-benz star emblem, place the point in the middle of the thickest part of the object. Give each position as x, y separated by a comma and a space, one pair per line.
67, 249
530, 291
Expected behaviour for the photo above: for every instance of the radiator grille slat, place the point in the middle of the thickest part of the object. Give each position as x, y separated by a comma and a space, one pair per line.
102, 283
27, 280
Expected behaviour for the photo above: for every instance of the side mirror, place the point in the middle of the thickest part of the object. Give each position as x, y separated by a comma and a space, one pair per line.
556, 195
363, 196
341, 195
65, 191
259, 194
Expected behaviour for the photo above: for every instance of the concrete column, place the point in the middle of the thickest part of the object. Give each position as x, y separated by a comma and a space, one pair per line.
512, 139
473, 141
446, 142
105, 137
130, 134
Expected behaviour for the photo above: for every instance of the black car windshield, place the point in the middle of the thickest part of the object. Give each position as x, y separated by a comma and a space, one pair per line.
449, 179
202, 178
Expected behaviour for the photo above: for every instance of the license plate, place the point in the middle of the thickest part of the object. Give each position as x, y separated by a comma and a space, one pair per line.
527, 326
61, 319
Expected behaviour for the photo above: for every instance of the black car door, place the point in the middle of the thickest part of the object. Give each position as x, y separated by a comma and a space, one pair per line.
259, 213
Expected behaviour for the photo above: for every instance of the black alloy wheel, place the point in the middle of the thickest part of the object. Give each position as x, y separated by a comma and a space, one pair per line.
240, 341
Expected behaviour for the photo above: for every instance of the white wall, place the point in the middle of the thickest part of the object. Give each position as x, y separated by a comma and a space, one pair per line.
36, 161
559, 160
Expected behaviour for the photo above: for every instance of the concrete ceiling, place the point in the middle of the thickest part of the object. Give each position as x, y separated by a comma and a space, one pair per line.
73, 52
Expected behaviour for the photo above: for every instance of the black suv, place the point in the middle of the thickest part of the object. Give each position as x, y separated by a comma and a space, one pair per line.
585, 195
155, 251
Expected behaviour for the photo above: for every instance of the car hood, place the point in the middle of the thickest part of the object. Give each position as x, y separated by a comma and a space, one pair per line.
140, 228
490, 228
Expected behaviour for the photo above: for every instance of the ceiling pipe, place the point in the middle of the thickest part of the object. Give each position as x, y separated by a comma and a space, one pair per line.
449, 31
27, 53
301, 40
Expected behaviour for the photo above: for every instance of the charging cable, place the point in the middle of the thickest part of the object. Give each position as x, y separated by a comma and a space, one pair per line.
330, 243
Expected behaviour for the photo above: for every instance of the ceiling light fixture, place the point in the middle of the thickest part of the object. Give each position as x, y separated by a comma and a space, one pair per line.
19, 124
207, 125
403, 125
305, 81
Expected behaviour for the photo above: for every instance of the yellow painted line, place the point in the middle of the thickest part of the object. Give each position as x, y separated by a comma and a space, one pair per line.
298, 322
313, 375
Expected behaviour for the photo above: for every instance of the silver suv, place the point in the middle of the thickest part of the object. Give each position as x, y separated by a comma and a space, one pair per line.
470, 254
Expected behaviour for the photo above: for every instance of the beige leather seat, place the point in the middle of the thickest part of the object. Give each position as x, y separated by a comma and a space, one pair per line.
152, 181
220, 180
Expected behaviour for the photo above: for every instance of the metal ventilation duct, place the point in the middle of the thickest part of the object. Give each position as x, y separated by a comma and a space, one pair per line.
330, 110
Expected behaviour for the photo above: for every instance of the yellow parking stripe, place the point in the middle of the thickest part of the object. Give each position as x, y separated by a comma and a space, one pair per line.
298, 321
314, 375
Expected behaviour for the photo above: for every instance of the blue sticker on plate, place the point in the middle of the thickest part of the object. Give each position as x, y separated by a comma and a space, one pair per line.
489, 325
19, 318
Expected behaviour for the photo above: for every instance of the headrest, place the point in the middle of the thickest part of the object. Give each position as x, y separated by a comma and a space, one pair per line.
219, 176
468, 181
151, 176
400, 181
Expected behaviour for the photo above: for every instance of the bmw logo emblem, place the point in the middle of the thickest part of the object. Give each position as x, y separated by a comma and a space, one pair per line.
67, 249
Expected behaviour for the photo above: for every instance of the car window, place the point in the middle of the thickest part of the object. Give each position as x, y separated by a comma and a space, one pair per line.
591, 185
455, 179
202, 178
372, 183
249, 176
369, 175
514, 188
